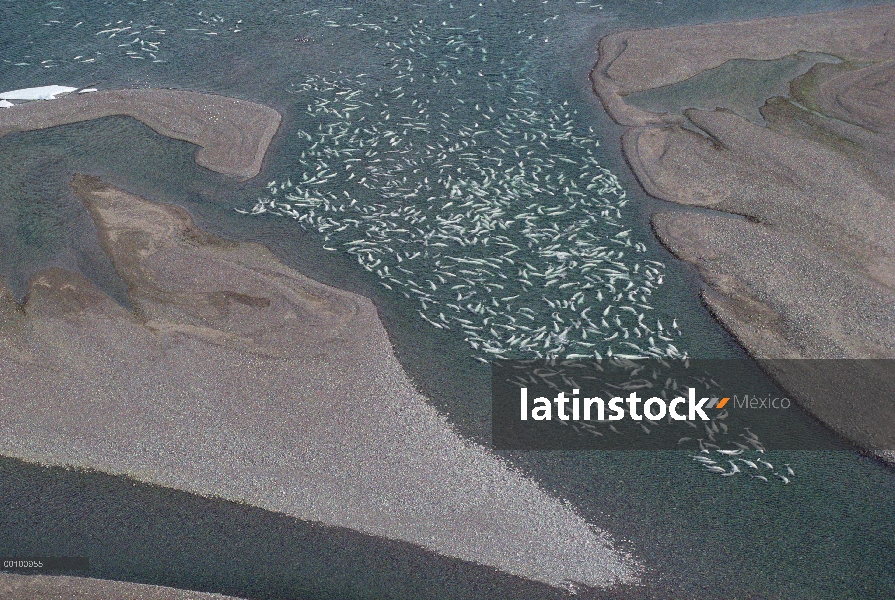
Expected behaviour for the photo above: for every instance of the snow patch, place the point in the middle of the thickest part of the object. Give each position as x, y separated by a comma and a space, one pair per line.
48, 92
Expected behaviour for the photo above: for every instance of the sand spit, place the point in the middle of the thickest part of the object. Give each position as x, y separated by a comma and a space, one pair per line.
234, 134
43, 587
799, 259
240, 378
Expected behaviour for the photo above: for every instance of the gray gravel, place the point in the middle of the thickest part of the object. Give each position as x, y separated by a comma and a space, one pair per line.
43, 587
242, 379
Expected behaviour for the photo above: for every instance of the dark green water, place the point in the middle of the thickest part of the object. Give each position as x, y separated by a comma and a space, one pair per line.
828, 535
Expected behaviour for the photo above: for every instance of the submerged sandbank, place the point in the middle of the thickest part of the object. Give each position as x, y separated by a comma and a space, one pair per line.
238, 377
234, 134
797, 250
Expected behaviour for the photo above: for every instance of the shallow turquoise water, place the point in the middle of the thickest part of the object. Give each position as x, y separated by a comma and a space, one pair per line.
825, 536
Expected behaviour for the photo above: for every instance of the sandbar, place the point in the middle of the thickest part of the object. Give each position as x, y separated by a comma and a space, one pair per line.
233, 134
795, 241
237, 377
638, 60
48, 587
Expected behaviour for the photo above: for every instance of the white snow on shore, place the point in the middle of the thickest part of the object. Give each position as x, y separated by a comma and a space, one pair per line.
48, 92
